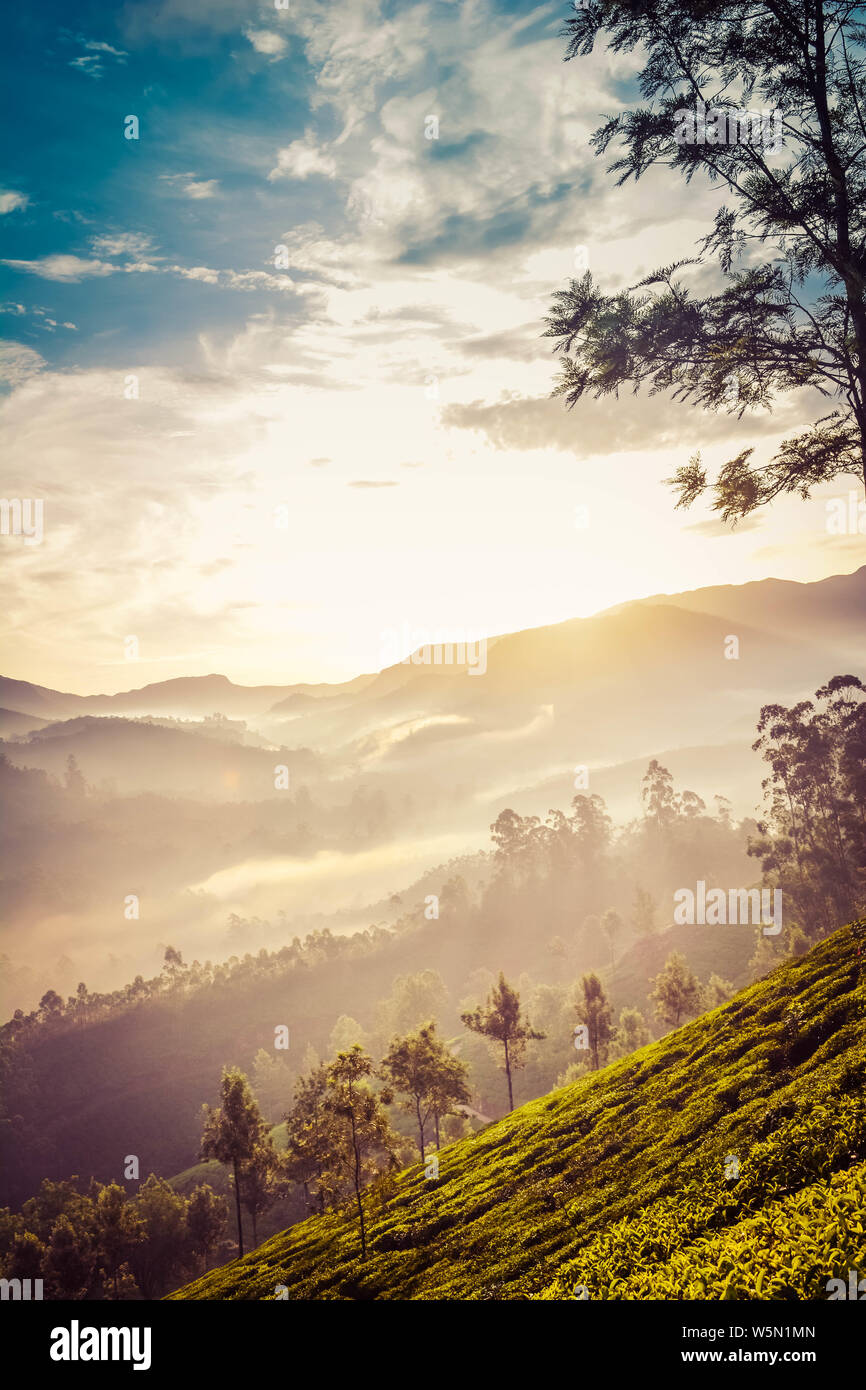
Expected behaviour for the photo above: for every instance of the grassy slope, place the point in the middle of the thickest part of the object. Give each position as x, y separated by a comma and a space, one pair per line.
617, 1183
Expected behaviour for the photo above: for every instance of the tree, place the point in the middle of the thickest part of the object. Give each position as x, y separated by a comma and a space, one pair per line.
420, 1067
595, 1012
367, 1138
163, 1252
644, 913
611, 925
501, 1023
796, 184
658, 795
233, 1132
118, 1231
677, 993
73, 778
27, 1256
310, 1138
271, 1082
50, 1006
631, 1033
345, 1032
206, 1219
811, 843
257, 1181
413, 999
69, 1261
173, 967
718, 991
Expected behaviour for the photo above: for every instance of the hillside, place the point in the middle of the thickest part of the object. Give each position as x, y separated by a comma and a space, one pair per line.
618, 1184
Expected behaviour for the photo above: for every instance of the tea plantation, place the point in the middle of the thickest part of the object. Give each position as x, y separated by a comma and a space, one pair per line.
727, 1161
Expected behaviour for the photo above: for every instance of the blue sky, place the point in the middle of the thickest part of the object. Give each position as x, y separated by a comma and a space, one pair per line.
341, 419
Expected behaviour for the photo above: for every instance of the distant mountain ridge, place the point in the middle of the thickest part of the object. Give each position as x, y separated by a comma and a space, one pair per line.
829, 611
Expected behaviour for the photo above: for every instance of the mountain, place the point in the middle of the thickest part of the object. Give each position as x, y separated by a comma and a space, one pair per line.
14, 724
727, 1161
833, 608
144, 757
185, 697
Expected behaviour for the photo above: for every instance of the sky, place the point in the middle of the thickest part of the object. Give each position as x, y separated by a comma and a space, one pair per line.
275, 366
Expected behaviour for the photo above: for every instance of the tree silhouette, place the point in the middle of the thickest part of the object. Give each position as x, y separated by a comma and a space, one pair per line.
797, 194
500, 1021
594, 1010
677, 993
420, 1067
233, 1132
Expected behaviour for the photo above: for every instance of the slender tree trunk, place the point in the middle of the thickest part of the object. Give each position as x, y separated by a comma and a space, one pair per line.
420, 1125
238, 1207
360, 1204
508, 1074
255, 1230
436, 1122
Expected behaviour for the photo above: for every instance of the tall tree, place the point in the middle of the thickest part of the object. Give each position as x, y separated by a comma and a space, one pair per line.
206, 1220
677, 991
420, 1067
644, 912
631, 1033
118, 1231
796, 194
595, 1012
368, 1141
258, 1182
660, 802
501, 1022
233, 1132
310, 1134
611, 926
812, 843
163, 1252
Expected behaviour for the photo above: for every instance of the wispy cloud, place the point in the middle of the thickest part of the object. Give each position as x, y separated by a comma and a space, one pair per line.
10, 201
18, 362
64, 268
190, 186
96, 55
265, 41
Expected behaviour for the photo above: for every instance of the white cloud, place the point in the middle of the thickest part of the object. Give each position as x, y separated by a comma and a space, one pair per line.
10, 201
18, 362
67, 269
122, 244
267, 42
190, 186
240, 279
302, 158
92, 61
96, 46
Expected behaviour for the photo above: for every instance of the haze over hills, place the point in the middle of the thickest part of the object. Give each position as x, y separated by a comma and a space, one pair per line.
207, 799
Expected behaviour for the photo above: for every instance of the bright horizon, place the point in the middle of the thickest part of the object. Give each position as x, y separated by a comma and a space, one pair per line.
285, 390
133, 666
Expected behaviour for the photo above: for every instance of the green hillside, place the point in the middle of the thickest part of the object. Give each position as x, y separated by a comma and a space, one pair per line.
618, 1183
